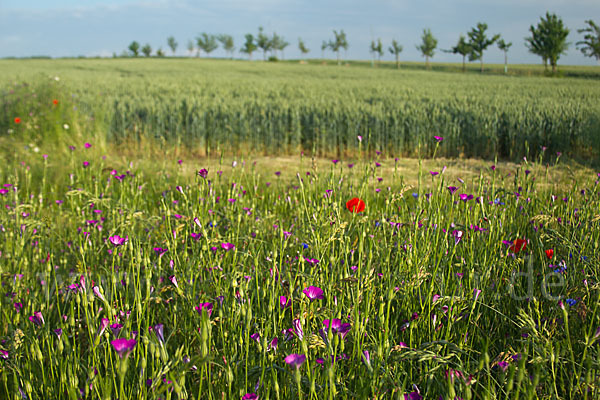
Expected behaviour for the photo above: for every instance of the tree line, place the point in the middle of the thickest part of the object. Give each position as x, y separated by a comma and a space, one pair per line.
547, 39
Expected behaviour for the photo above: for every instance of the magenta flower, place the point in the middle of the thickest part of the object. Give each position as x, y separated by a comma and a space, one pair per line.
4, 354
159, 251
203, 173
116, 328
116, 240
452, 189
250, 396
337, 327
208, 307
58, 332
227, 246
434, 173
87, 145
313, 293
37, 318
466, 197
123, 346
273, 344
295, 360
438, 139
255, 337
284, 302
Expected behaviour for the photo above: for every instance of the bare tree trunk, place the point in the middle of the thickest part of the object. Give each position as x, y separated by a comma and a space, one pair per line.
464, 67
427, 62
397, 61
505, 62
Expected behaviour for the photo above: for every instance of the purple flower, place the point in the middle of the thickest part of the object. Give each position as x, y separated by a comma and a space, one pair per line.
335, 161
123, 346
438, 139
250, 396
284, 302
255, 337
159, 251
159, 330
227, 246
295, 360
116, 328
87, 145
58, 332
37, 318
476, 293
434, 173
458, 235
452, 189
277, 173
313, 293
18, 307
116, 240
366, 357
273, 344
104, 322
297, 330
466, 197
203, 173
208, 307
4, 354
337, 327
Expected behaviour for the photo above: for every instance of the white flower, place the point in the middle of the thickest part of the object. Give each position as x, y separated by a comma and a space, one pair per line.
66, 126
56, 78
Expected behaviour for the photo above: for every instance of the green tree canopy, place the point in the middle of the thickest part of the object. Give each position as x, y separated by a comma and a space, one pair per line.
548, 39
249, 46
479, 42
147, 50
172, 43
463, 48
207, 43
263, 42
428, 45
590, 45
396, 49
227, 43
502, 45
134, 48
377, 48
340, 42
302, 46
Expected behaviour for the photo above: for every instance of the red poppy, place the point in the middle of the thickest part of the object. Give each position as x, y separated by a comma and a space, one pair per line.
518, 245
55, 102
549, 254
355, 205
17, 120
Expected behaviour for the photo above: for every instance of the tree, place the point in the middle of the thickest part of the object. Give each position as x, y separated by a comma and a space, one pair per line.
147, 50
396, 49
302, 47
339, 43
463, 48
324, 46
590, 45
502, 45
227, 43
278, 43
377, 49
206, 42
249, 46
172, 44
134, 48
548, 39
428, 45
263, 42
160, 53
479, 42
190, 47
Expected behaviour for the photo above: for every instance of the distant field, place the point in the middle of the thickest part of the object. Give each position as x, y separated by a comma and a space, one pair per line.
288, 107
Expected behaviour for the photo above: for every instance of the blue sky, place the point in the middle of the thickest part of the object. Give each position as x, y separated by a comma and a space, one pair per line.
90, 27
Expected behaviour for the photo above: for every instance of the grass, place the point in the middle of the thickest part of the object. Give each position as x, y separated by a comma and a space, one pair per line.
405, 274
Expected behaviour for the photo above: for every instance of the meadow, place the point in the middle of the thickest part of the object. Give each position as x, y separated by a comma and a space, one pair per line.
138, 267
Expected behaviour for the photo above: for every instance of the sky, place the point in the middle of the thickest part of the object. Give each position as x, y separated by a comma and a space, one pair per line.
71, 28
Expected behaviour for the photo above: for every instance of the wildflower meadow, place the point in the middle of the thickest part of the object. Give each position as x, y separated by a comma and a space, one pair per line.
367, 276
